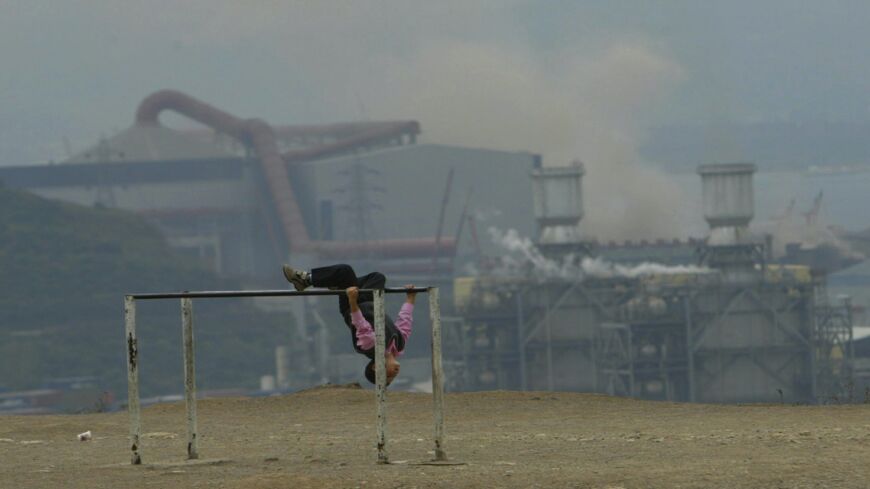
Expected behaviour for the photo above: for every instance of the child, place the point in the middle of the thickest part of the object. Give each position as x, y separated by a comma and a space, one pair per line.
357, 309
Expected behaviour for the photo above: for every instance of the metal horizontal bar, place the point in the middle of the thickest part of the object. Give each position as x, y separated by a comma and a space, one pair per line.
260, 293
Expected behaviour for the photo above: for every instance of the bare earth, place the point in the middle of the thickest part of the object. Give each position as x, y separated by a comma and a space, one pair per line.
324, 438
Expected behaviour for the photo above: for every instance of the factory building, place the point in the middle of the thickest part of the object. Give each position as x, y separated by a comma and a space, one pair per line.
243, 196
713, 319
734, 329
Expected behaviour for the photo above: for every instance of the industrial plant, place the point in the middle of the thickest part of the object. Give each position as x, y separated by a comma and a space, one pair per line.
712, 319
723, 325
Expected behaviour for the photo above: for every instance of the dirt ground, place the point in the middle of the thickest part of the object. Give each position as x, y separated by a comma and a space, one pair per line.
324, 438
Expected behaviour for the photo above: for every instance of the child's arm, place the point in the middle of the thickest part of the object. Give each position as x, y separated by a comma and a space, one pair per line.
405, 321
411, 296
352, 296
365, 335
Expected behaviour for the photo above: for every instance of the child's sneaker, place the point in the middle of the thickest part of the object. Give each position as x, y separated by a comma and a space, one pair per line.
300, 280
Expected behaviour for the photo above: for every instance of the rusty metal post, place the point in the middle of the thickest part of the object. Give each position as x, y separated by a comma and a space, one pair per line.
132, 378
437, 374
189, 377
381, 376
189, 363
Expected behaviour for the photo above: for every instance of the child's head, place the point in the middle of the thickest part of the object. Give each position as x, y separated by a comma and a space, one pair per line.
392, 369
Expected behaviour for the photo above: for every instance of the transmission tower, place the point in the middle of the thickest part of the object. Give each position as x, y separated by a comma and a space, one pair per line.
360, 202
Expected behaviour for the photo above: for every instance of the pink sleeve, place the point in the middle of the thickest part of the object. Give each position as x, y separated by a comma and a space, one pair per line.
365, 335
405, 320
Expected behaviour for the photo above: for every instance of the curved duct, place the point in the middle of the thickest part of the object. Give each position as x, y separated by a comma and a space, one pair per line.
259, 135
328, 134
253, 132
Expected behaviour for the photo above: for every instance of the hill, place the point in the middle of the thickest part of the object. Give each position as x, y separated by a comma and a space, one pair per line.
65, 269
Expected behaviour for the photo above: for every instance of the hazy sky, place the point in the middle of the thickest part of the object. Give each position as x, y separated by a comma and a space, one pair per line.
563, 78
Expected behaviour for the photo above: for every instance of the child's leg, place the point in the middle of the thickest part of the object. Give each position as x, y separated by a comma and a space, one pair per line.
374, 280
335, 276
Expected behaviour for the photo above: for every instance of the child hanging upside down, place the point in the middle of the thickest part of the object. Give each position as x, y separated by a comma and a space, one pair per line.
357, 309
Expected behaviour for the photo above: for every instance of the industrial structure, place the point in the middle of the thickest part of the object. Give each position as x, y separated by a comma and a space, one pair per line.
243, 196
733, 328
708, 320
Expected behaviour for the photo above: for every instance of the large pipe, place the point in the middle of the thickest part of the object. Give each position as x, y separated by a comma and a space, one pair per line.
368, 137
345, 129
261, 137
250, 131
332, 133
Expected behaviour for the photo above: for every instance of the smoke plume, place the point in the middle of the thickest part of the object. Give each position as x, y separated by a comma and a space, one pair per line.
525, 259
466, 70
590, 105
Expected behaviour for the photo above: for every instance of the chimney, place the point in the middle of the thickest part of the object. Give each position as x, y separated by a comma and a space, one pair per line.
728, 202
558, 200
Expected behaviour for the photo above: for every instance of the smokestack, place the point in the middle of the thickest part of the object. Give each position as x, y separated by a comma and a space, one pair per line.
728, 202
558, 199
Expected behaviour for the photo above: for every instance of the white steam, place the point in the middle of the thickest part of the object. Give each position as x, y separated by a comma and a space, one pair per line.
527, 256
525, 259
599, 268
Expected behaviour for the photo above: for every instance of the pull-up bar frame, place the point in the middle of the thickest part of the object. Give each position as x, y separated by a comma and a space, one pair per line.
190, 371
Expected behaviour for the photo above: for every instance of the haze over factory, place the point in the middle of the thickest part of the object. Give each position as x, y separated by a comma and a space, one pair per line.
655, 209
732, 313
